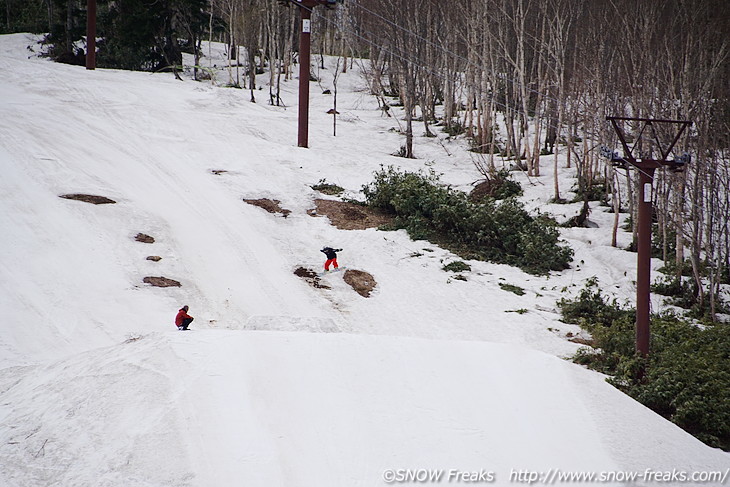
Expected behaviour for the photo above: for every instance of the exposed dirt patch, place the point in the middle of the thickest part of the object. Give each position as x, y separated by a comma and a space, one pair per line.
483, 190
272, 206
362, 282
349, 216
89, 198
144, 238
154, 258
311, 277
161, 282
580, 340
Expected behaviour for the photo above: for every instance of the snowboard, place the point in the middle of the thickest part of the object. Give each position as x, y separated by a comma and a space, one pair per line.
324, 273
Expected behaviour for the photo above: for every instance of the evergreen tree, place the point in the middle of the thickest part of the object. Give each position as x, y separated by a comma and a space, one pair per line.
67, 30
145, 34
24, 16
135, 34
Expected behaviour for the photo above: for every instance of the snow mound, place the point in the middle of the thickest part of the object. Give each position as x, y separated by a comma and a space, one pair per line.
267, 409
292, 323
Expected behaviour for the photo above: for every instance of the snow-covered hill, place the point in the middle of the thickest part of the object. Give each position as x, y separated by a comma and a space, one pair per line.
279, 384
281, 408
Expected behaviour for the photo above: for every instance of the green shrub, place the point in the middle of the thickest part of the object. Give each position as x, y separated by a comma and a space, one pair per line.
687, 373
501, 232
402, 152
512, 288
628, 224
508, 187
670, 267
457, 266
658, 243
328, 188
593, 191
498, 185
685, 294
454, 128
682, 292
591, 308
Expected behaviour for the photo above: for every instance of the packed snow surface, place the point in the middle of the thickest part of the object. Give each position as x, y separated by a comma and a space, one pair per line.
279, 383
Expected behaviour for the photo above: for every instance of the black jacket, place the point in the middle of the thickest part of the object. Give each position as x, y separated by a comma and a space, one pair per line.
330, 252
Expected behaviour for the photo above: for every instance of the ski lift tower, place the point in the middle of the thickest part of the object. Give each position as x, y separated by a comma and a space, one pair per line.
305, 12
645, 155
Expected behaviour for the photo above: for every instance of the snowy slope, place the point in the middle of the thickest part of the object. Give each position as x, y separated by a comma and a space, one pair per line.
281, 409
97, 388
150, 143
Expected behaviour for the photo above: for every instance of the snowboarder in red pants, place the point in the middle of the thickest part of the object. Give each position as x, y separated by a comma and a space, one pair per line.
331, 257
183, 319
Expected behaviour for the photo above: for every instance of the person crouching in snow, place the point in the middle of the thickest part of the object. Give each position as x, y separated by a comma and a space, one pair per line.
183, 319
331, 257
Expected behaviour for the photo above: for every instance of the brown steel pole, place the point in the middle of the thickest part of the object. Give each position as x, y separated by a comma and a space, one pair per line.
304, 61
91, 34
646, 168
643, 266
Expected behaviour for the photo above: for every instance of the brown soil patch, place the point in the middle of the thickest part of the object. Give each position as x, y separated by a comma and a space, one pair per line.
349, 216
272, 206
580, 340
161, 282
89, 198
311, 277
144, 238
362, 282
483, 190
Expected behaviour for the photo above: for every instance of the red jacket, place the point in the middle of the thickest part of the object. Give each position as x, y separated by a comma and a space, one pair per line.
181, 315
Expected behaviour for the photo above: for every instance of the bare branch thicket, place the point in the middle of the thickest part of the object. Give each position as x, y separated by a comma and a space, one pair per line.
525, 77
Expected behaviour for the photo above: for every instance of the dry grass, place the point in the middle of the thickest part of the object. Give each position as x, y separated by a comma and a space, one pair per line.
311, 277
349, 216
144, 238
89, 198
161, 282
272, 206
362, 282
